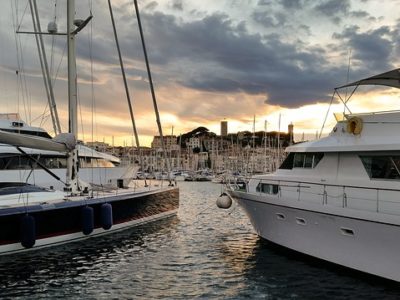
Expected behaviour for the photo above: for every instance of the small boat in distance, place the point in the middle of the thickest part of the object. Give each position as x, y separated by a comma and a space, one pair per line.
336, 198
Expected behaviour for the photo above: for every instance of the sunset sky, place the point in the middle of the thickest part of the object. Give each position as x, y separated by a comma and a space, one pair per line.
210, 60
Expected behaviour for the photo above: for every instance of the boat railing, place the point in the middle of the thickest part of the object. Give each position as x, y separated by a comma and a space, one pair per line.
373, 199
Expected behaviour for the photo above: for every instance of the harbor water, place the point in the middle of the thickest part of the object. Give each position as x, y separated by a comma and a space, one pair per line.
203, 253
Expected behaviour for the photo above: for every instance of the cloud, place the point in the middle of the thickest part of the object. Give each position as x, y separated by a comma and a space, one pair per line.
371, 49
269, 20
177, 4
291, 4
334, 9
151, 5
223, 57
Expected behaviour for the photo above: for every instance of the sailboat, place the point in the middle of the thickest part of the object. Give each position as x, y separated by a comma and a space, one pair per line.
33, 217
336, 198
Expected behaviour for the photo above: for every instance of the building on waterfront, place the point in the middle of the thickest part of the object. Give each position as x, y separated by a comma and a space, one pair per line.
290, 132
169, 140
224, 128
98, 146
193, 142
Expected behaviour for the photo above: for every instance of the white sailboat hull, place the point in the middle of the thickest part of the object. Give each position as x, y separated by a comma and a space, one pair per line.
361, 244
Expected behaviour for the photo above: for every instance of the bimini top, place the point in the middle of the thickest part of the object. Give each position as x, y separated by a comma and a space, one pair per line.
391, 79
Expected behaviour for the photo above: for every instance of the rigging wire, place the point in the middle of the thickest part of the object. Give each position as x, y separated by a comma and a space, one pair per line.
53, 39
43, 65
26, 95
90, 40
14, 14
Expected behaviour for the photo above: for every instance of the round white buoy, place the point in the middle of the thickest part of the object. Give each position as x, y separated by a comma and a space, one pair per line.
224, 201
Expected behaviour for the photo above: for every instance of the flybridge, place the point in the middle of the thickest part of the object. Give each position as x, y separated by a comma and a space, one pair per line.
379, 133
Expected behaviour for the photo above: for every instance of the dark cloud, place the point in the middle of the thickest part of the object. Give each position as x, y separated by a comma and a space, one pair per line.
269, 20
359, 14
177, 4
263, 2
225, 58
372, 49
151, 6
333, 9
291, 4
214, 54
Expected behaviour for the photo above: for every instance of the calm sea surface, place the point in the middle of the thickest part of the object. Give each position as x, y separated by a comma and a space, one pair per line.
203, 253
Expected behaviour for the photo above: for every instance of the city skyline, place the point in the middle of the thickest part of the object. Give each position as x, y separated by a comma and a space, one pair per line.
210, 61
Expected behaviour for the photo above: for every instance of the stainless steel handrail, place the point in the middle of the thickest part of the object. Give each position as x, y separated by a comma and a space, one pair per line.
346, 196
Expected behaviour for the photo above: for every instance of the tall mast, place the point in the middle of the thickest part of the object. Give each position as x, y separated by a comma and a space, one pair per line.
72, 156
121, 63
152, 90
72, 90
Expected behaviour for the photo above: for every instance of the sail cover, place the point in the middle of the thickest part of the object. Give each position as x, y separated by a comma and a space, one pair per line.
391, 78
30, 141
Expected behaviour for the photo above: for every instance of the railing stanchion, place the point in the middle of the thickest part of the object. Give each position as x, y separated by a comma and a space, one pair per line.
298, 189
279, 189
325, 196
344, 204
377, 200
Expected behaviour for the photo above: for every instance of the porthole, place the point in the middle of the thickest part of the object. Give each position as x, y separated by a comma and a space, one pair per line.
300, 221
347, 231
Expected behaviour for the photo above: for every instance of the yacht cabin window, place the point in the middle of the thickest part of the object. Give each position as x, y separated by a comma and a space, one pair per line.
382, 167
267, 188
288, 162
301, 160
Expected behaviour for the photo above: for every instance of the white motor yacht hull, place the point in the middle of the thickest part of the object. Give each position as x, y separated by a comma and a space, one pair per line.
367, 246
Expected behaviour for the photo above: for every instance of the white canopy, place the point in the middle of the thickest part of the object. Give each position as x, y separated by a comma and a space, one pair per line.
391, 78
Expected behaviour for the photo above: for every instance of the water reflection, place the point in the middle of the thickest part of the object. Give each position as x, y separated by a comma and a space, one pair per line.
74, 266
276, 272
